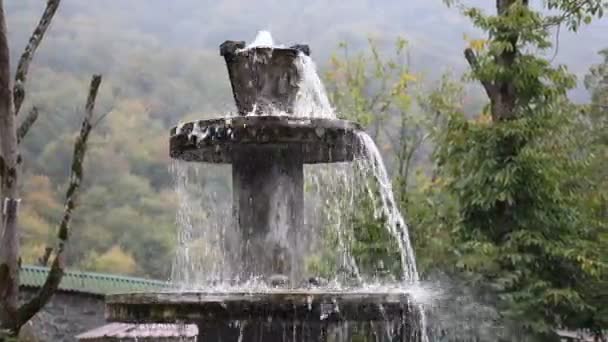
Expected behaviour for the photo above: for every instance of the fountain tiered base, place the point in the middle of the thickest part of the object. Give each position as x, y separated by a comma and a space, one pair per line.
268, 154
275, 315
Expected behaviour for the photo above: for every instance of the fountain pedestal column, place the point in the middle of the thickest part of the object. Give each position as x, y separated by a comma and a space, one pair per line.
268, 200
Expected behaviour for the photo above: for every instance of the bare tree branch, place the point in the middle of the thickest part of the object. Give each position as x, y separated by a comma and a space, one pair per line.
474, 64
27, 124
30, 50
44, 259
391, 140
29, 309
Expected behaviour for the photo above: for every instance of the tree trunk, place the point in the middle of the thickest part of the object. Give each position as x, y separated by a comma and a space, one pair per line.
9, 174
502, 93
504, 98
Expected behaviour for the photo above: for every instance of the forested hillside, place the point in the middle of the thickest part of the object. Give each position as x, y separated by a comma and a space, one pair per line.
161, 65
491, 120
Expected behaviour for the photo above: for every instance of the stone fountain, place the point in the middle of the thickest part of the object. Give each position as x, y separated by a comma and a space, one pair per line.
267, 153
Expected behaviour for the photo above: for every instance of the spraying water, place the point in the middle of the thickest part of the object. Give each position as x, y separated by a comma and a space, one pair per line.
311, 99
263, 39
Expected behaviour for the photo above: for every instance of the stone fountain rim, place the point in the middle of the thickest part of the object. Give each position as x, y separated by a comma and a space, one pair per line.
232, 47
276, 305
267, 49
322, 296
321, 140
283, 120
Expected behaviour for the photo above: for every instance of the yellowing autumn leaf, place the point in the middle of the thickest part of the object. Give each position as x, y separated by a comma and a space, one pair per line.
477, 44
407, 77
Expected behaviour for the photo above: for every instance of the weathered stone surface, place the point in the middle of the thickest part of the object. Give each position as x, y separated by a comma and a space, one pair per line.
66, 315
277, 305
215, 140
262, 78
305, 49
268, 200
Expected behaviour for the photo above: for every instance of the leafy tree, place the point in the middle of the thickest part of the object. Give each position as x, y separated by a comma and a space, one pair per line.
594, 136
379, 92
518, 175
431, 209
375, 91
597, 84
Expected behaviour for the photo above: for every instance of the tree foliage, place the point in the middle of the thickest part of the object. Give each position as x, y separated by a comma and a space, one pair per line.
519, 175
513, 201
378, 90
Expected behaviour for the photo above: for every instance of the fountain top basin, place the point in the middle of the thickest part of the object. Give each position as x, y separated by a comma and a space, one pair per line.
263, 77
216, 140
276, 305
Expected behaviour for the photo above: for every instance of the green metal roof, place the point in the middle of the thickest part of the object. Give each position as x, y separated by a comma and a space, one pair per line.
92, 283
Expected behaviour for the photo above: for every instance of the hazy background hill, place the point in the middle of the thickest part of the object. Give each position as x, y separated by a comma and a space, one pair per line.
114, 28
161, 65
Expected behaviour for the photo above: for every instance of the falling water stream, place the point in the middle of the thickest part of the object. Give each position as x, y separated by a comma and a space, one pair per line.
207, 256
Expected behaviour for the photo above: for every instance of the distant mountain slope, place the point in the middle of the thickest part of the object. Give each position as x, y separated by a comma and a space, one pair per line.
435, 30
161, 65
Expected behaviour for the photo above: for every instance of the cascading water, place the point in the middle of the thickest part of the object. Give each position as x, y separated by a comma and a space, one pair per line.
311, 99
310, 246
205, 232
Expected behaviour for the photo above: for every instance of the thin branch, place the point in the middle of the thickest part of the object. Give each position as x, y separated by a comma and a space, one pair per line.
30, 50
417, 144
557, 33
389, 138
44, 259
100, 118
27, 124
474, 64
567, 14
29, 309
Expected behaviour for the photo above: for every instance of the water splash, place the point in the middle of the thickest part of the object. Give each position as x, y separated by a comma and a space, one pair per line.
263, 39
